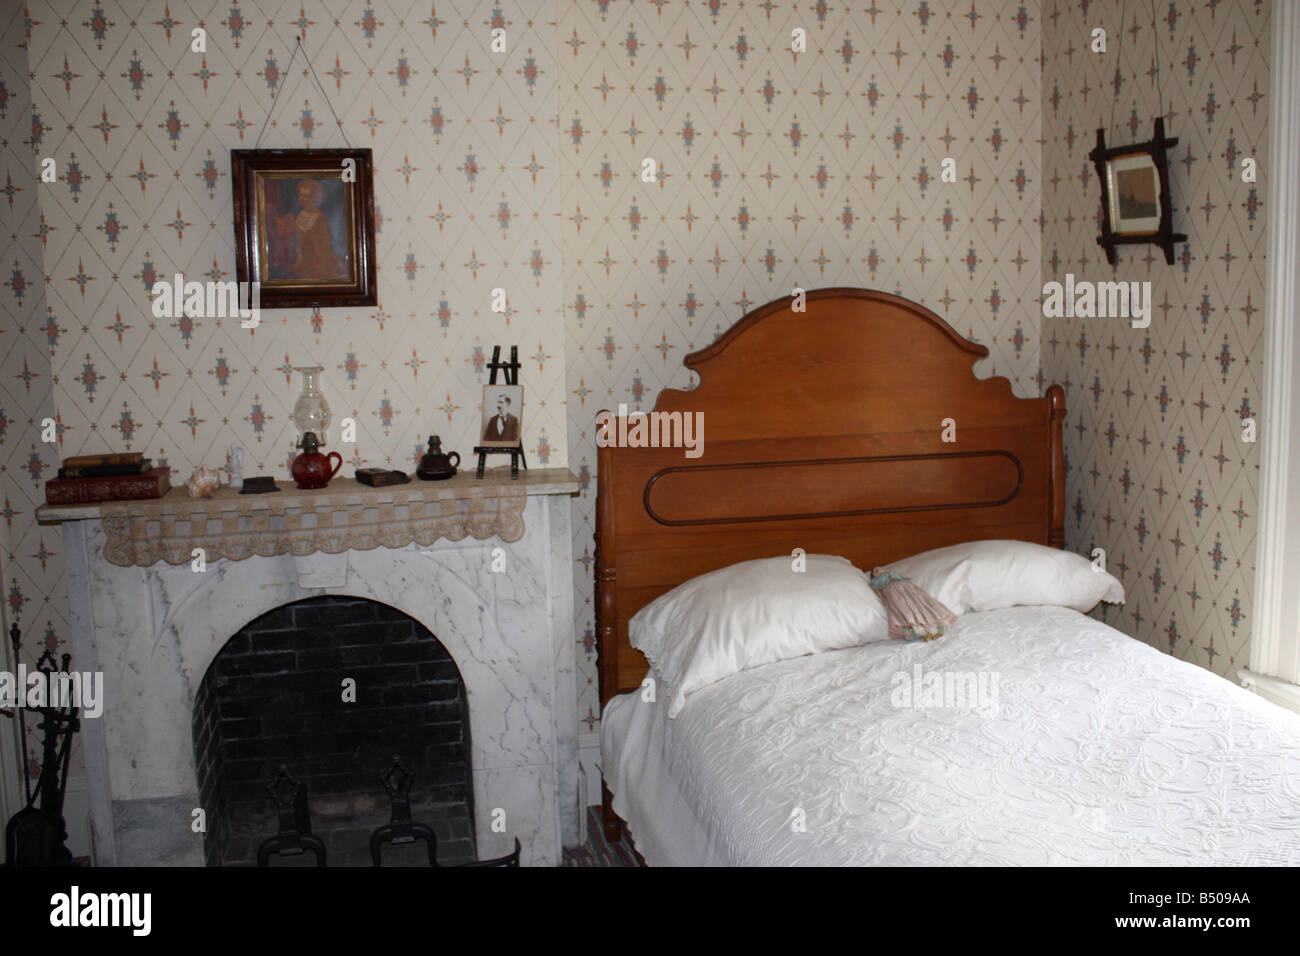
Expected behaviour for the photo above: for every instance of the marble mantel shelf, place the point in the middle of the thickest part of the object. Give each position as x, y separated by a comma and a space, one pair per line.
343, 516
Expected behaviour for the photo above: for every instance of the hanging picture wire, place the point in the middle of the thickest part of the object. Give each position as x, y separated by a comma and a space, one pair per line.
510, 376
280, 89
1135, 201
325, 254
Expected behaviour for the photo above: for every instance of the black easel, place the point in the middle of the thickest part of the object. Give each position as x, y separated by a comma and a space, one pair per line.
516, 452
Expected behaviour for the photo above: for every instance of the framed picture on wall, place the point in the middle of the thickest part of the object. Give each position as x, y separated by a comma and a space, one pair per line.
1135, 203
1133, 183
305, 225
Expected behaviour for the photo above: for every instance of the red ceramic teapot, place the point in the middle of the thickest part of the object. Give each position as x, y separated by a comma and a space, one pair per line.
311, 469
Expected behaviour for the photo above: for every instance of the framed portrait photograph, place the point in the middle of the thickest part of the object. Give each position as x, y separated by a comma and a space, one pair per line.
502, 416
1133, 182
305, 225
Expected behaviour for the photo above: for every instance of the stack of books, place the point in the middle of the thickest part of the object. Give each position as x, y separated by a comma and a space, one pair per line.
120, 476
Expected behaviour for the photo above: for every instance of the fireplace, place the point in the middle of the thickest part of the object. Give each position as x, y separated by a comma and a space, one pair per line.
482, 566
272, 700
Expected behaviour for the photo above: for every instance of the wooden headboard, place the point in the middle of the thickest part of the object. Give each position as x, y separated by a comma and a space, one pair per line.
823, 430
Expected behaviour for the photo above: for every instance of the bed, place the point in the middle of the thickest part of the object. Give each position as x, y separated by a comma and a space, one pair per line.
856, 427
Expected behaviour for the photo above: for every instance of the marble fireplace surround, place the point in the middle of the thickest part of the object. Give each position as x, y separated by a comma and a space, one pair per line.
153, 630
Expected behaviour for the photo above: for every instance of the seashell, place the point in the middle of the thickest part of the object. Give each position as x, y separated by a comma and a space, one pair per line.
202, 483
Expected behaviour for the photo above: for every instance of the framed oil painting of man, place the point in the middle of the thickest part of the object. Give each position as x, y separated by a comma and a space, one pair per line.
305, 225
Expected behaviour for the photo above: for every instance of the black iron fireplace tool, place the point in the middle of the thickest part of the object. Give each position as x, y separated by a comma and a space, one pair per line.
295, 836
401, 829
37, 835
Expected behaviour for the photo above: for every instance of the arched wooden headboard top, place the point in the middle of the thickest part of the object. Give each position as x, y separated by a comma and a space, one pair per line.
823, 430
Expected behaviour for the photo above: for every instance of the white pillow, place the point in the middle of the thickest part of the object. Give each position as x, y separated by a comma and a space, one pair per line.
753, 613
985, 575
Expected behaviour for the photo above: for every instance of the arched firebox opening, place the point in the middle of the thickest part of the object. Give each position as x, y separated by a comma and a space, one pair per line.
330, 689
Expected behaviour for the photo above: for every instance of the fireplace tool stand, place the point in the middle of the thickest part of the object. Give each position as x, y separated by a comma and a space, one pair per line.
295, 834
35, 836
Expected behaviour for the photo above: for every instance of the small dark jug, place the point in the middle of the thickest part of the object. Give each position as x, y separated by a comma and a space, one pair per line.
311, 469
434, 465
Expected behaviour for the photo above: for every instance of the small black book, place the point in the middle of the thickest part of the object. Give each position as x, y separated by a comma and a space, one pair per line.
379, 477
259, 485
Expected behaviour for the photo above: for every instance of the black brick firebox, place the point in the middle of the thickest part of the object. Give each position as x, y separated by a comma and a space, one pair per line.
273, 697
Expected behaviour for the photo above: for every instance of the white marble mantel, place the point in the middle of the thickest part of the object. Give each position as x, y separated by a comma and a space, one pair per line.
154, 630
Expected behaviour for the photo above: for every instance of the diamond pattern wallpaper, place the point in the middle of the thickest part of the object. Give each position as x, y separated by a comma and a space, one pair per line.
140, 127
1158, 474
31, 562
465, 172
522, 170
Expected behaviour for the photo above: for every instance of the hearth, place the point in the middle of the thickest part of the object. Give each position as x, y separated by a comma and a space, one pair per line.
272, 698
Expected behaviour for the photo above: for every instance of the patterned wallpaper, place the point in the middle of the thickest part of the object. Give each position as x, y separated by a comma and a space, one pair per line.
31, 563
1159, 476
777, 170
140, 126
465, 174
522, 171
774, 170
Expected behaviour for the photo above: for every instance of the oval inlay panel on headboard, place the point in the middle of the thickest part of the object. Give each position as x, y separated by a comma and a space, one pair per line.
832, 487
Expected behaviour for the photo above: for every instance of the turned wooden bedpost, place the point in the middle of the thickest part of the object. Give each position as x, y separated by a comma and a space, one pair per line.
1056, 448
606, 619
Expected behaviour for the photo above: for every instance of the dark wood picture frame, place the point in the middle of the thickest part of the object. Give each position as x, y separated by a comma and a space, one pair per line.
252, 170
1112, 235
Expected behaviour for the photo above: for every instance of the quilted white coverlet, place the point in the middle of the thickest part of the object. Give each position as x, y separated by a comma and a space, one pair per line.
1091, 749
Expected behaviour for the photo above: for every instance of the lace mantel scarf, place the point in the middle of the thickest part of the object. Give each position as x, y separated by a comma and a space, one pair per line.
334, 519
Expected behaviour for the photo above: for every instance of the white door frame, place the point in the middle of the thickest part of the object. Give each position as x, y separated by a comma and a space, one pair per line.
1275, 635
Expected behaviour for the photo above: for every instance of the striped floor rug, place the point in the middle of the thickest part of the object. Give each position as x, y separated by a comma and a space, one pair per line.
597, 851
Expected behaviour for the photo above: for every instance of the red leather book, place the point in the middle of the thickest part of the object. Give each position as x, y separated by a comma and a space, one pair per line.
83, 491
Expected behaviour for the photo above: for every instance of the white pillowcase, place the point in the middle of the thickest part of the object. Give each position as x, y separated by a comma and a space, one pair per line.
986, 575
752, 613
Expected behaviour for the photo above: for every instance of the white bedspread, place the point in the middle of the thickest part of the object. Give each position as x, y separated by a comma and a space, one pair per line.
1101, 751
